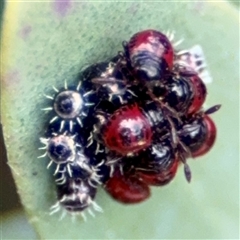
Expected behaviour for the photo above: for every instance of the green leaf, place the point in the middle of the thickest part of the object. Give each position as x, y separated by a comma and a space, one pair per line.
46, 42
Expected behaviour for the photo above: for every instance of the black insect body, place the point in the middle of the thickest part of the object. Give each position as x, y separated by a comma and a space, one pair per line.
185, 94
158, 165
111, 84
199, 132
77, 184
75, 196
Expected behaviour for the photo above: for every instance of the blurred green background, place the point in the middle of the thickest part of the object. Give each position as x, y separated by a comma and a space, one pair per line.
14, 222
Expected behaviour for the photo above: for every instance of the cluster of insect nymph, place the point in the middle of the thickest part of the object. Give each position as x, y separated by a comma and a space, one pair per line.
128, 123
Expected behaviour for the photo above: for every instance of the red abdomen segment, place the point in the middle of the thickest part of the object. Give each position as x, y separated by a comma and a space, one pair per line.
127, 189
209, 140
152, 41
160, 178
199, 94
128, 131
151, 54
